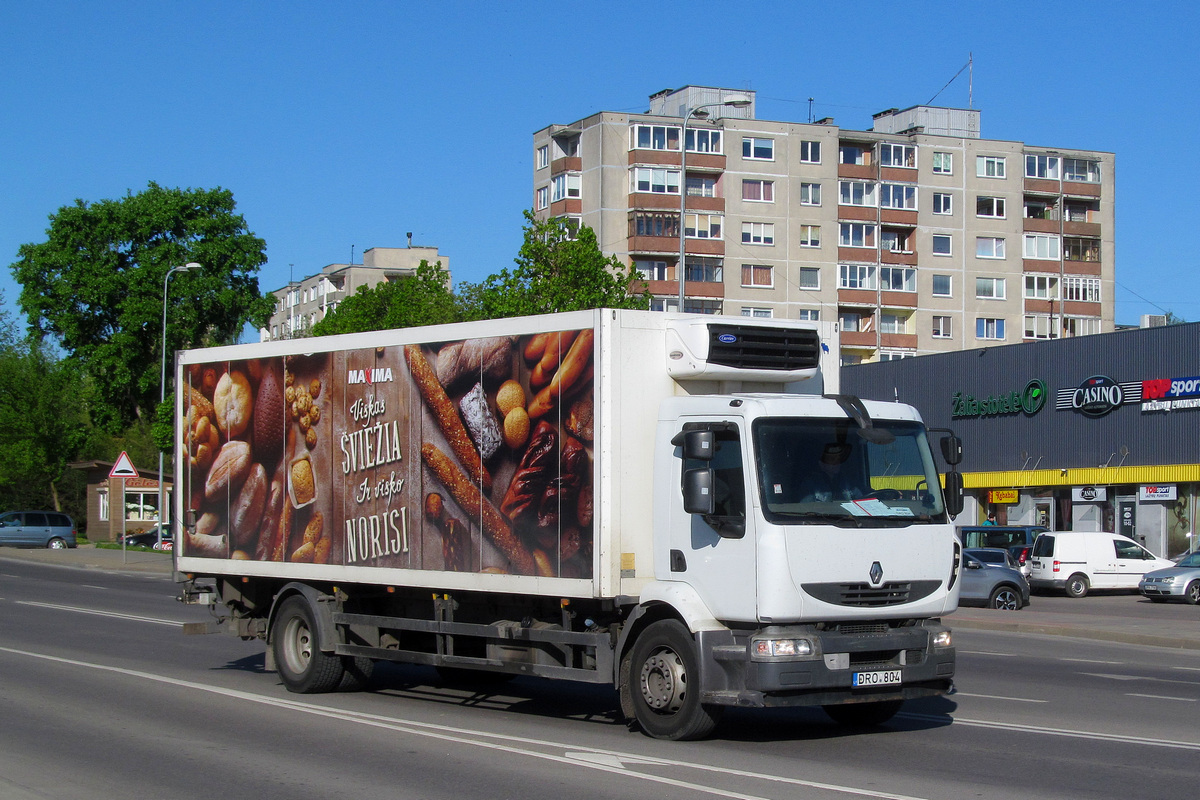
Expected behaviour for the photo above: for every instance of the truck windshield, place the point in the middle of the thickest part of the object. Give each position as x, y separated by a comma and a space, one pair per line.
822, 470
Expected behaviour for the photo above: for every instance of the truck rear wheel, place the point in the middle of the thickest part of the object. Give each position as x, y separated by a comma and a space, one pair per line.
302, 666
863, 715
663, 685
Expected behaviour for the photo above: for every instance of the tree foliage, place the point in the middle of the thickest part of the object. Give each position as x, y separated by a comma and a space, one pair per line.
95, 287
556, 271
421, 299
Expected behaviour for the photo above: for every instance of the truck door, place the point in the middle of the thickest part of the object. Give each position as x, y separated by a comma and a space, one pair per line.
715, 553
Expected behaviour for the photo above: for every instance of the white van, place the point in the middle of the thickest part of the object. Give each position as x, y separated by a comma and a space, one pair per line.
1076, 561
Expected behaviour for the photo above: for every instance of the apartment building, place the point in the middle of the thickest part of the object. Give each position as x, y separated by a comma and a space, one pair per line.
301, 304
917, 236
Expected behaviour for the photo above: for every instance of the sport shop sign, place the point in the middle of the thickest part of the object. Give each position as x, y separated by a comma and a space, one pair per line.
1099, 394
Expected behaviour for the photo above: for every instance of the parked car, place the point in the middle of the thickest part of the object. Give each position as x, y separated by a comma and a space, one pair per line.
1023, 555
999, 535
988, 580
150, 538
37, 529
1179, 582
1078, 561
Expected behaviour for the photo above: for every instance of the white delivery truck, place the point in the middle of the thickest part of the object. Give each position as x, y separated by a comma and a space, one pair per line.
644, 500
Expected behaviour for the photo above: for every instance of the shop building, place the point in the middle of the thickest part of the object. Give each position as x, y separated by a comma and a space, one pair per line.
1092, 433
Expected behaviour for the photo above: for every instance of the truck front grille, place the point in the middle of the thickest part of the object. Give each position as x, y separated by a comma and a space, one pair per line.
864, 595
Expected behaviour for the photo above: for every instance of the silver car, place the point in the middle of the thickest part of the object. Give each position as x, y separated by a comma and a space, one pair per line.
1181, 582
991, 579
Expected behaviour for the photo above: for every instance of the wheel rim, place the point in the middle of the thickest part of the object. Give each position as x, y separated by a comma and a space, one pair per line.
1006, 601
298, 645
1193, 592
664, 681
58, 544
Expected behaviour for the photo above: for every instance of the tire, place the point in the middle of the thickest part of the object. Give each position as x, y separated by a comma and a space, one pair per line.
57, 544
302, 666
659, 688
1191, 594
358, 672
1005, 598
863, 715
1077, 585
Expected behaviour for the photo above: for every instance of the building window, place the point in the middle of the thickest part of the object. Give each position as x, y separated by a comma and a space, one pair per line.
895, 355
654, 223
1040, 208
852, 154
572, 226
943, 203
943, 163
893, 323
758, 276
1080, 210
989, 328
655, 181
855, 322
1042, 246
1080, 326
896, 195
703, 141
762, 313
702, 226
989, 247
1081, 169
992, 207
810, 278
856, 234
989, 166
704, 269
543, 156
856, 276
809, 236
941, 244
758, 149
758, 233
759, 191
655, 137
651, 270
102, 497
702, 186
897, 279
543, 198
1076, 249
856, 193
1084, 289
809, 314
810, 152
566, 185
894, 241
1041, 167
692, 305
810, 194
941, 327
1040, 326
897, 155
942, 286
989, 288
1041, 287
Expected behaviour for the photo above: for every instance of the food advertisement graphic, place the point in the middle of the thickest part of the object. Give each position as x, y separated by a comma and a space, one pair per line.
471, 456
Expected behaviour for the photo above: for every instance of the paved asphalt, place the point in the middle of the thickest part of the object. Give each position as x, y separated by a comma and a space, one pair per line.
1114, 617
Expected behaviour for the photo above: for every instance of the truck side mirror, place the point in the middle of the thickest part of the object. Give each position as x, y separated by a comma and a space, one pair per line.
698, 497
952, 450
953, 493
699, 445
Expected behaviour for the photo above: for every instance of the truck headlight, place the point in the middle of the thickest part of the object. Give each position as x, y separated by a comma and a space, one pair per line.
942, 639
764, 649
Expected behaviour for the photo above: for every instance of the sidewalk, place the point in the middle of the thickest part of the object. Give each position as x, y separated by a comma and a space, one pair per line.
88, 556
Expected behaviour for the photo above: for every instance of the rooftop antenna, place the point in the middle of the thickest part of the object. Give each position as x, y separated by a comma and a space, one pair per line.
971, 79
351, 255
810, 102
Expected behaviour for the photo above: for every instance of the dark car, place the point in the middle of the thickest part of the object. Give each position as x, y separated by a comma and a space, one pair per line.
999, 535
37, 529
991, 579
149, 538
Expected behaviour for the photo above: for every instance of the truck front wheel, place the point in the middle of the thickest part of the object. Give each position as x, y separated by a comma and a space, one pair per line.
302, 666
663, 684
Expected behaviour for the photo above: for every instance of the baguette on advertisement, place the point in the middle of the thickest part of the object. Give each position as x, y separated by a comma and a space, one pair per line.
468, 497
573, 368
446, 415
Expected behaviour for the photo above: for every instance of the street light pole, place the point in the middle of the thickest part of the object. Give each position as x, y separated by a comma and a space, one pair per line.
735, 101
162, 384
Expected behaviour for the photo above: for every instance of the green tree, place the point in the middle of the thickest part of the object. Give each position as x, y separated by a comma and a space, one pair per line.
95, 287
556, 271
424, 298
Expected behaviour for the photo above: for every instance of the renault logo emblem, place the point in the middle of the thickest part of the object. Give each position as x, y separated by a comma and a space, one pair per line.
876, 573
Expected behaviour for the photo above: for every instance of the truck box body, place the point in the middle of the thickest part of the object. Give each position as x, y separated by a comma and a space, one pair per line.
530, 469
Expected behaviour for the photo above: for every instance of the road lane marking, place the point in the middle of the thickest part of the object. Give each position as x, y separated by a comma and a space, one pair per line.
1162, 697
998, 697
611, 761
1136, 678
99, 613
1064, 732
1089, 661
986, 653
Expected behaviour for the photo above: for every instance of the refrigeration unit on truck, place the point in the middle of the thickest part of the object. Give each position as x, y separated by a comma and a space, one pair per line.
651, 501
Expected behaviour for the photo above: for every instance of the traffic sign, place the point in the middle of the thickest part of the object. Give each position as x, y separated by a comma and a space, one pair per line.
123, 468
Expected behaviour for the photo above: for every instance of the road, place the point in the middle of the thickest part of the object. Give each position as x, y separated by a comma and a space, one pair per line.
103, 697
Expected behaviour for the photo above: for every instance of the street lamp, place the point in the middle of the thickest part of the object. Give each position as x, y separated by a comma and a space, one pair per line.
735, 101
162, 398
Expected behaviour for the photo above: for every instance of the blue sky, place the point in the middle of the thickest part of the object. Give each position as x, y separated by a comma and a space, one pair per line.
347, 125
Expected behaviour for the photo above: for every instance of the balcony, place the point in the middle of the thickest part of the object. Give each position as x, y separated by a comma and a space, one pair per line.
906, 257
857, 213
1034, 225
897, 299
1040, 265
857, 297
1078, 189
561, 208
856, 171
858, 338
701, 162
901, 174
858, 255
900, 341
895, 216
566, 164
